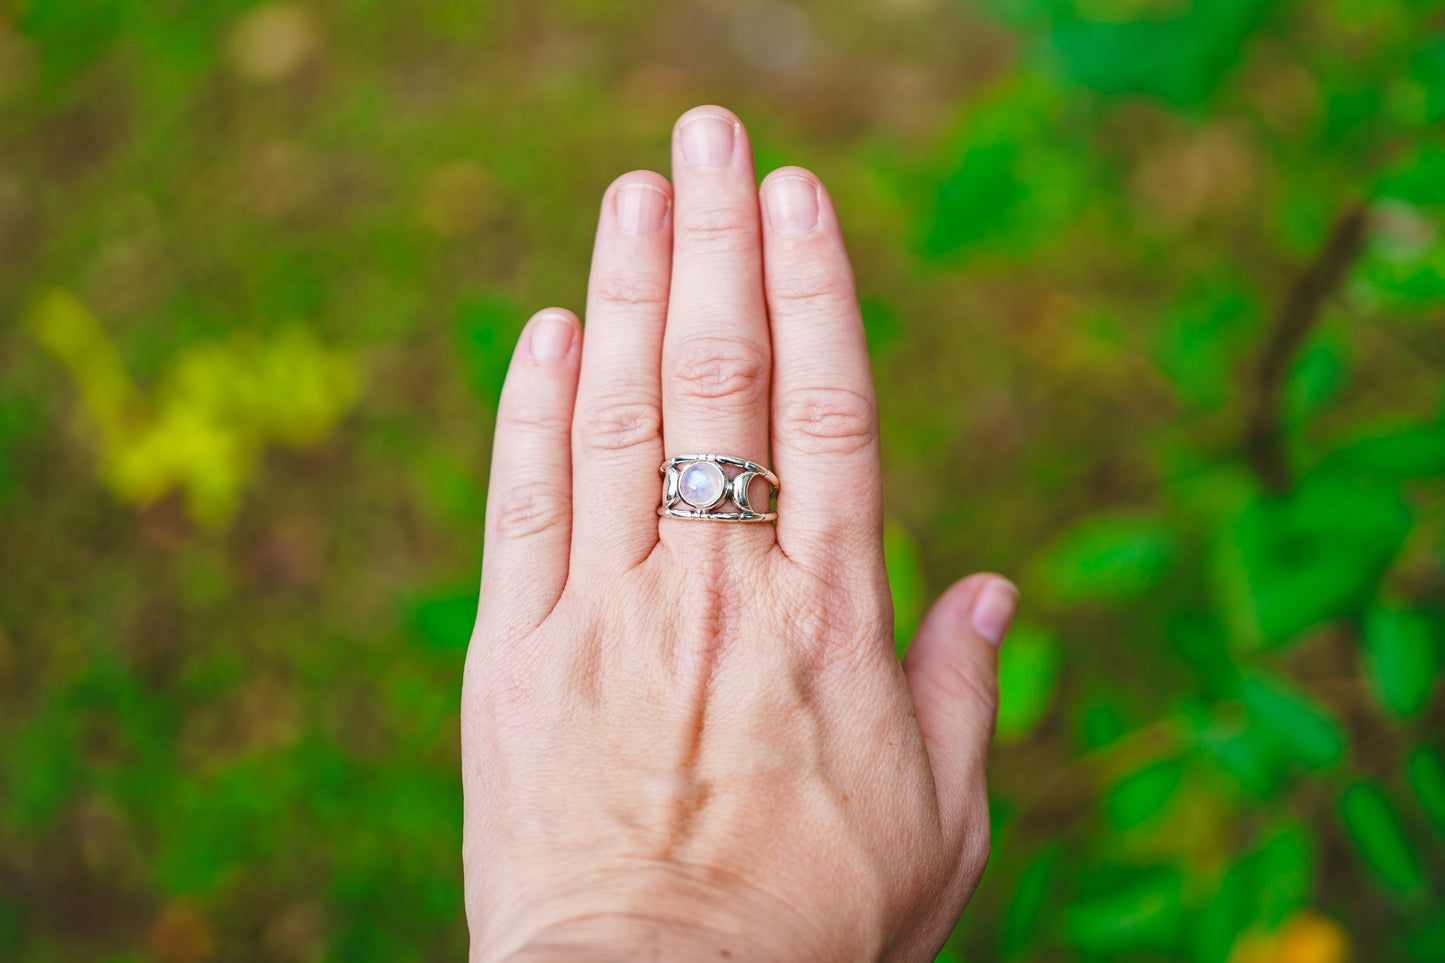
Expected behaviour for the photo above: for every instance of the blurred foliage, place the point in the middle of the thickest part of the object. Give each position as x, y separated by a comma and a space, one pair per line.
1156, 295
214, 410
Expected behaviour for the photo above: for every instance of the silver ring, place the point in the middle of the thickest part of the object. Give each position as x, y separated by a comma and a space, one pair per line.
699, 486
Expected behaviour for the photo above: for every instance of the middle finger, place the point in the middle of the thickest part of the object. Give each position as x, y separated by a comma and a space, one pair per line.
716, 356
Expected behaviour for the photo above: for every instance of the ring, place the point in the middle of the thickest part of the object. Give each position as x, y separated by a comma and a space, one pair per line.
697, 486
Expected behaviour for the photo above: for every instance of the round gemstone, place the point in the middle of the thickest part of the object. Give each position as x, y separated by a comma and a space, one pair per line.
702, 484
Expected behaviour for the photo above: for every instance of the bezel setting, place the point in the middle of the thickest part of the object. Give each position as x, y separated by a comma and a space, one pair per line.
717, 477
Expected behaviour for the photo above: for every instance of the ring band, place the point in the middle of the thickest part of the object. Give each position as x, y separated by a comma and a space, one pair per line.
699, 486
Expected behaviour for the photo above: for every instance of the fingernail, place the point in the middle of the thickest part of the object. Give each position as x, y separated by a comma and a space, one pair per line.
993, 610
792, 204
707, 141
551, 338
640, 208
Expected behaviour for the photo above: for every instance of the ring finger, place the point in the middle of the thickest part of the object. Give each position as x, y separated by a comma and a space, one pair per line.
716, 357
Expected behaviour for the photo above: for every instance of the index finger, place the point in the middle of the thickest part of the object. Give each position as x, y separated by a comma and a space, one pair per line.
824, 410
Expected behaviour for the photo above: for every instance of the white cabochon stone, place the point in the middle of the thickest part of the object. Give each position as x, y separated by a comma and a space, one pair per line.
702, 484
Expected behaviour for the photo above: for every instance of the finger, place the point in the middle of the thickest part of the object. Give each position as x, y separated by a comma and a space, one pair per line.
952, 669
617, 433
824, 412
529, 498
716, 358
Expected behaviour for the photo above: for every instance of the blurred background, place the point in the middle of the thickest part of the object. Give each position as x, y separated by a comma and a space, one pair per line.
1156, 296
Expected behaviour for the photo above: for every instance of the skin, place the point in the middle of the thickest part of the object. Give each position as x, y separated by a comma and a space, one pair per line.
693, 740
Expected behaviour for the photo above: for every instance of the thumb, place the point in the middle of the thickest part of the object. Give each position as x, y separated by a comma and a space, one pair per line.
952, 669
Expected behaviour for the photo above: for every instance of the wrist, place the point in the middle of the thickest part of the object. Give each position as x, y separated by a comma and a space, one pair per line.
618, 939
675, 913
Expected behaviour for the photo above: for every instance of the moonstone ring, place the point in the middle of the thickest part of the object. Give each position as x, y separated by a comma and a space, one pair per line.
699, 486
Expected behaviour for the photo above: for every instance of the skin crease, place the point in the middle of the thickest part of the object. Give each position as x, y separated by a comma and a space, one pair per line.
693, 740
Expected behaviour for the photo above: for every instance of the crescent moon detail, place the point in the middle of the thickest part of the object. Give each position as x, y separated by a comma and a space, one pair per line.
740, 489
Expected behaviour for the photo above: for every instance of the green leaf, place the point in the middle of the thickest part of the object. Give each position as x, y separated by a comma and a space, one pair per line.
1030, 895
1246, 752
1256, 762
1145, 912
1028, 673
1401, 659
1293, 721
1318, 552
1231, 909
1416, 451
1110, 558
1268, 886
1317, 376
1285, 866
1203, 337
1203, 644
1178, 59
1010, 186
1427, 777
1377, 833
977, 199
1143, 794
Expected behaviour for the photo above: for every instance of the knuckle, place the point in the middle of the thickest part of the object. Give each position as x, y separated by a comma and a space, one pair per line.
827, 420
820, 633
963, 682
810, 290
835, 620
721, 370
720, 227
618, 425
534, 418
528, 510
630, 291
498, 690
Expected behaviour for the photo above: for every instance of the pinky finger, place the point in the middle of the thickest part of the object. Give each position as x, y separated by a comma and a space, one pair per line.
529, 498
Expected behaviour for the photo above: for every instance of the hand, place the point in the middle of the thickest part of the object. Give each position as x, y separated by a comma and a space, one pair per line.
692, 739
